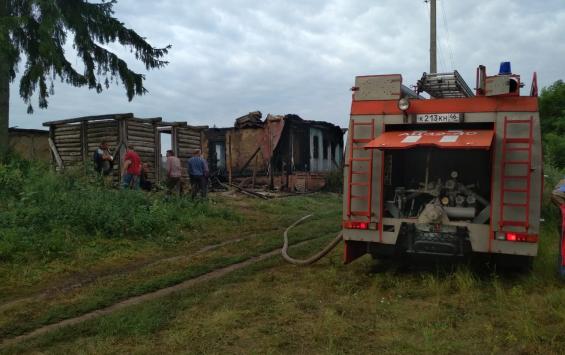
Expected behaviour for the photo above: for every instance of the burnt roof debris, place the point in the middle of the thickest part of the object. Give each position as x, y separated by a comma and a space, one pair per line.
252, 119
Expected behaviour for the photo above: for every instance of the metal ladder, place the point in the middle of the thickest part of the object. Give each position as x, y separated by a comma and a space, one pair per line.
357, 144
509, 145
444, 85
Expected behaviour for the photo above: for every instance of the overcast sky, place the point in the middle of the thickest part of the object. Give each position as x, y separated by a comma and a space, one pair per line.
301, 56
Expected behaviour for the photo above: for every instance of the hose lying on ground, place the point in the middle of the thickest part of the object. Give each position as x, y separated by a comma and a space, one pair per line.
313, 258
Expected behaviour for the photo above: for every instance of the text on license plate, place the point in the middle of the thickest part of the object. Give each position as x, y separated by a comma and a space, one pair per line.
438, 117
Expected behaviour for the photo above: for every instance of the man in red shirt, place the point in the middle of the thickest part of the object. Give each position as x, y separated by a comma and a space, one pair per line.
131, 170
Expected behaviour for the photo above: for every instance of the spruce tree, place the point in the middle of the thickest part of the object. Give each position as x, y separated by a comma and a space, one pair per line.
35, 31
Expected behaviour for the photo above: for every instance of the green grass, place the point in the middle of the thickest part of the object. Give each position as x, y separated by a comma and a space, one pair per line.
273, 307
101, 268
365, 307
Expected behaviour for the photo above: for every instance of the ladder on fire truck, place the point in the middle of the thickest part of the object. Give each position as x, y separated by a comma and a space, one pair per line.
510, 145
444, 85
361, 167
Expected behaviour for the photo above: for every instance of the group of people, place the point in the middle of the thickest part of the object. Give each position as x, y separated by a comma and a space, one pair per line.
134, 172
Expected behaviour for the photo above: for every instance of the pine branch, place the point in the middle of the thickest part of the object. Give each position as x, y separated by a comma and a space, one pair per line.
39, 30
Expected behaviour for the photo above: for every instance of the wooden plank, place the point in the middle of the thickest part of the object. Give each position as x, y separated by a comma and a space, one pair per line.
144, 134
141, 127
67, 154
103, 137
67, 141
189, 146
90, 118
109, 140
190, 132
189, 141
142, 145
185, 135
148, 140
144, 120
140, 131
103, 124
69, 145
187, 153
150, 150
105, 131
56, 155
67, 129
64, 136
188, 150
139, 124
75, 151
96, 144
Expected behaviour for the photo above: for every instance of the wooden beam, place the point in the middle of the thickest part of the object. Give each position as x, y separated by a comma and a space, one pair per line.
84, 140
90, 118
56, 155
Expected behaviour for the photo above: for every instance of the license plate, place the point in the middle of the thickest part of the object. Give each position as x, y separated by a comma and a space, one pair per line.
438, 118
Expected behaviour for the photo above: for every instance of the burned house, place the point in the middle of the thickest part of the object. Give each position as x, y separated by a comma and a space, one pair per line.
73, 141
284, 151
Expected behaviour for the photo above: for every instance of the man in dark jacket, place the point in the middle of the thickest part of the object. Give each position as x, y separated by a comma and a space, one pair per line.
103, 160
198, 173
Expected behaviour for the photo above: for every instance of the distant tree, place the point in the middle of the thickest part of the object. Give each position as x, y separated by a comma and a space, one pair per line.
36, 31
552, 117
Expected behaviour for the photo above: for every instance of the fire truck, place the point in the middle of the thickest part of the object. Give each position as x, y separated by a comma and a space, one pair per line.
442, 170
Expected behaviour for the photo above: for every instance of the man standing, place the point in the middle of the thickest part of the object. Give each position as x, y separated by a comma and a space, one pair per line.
198, 173
174, 173
103, 160
131, 170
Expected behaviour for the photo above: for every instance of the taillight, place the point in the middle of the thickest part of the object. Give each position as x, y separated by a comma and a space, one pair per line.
355, 225
517, 237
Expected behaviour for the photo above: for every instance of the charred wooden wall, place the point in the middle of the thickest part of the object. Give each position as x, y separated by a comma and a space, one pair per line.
240, 147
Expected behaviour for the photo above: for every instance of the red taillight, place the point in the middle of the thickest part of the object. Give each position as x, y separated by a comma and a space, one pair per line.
518, 237
355, 225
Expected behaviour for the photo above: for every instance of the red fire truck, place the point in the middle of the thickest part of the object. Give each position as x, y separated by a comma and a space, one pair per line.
443, 170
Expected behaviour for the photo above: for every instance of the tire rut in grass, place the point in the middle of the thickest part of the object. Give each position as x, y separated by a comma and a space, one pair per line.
83, 279
143, 298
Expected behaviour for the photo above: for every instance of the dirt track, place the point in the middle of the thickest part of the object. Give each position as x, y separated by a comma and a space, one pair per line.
80, 280
142, 298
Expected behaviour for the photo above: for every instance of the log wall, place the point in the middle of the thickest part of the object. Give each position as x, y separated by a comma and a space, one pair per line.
145, 140
76, 141
187, 140
68, 140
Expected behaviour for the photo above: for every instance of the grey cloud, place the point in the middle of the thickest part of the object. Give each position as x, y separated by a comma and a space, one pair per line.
232, 57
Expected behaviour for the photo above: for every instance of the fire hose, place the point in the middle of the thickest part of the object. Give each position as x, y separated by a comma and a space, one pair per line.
313, 258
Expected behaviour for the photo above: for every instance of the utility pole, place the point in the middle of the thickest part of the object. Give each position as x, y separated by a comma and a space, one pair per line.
433, 43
